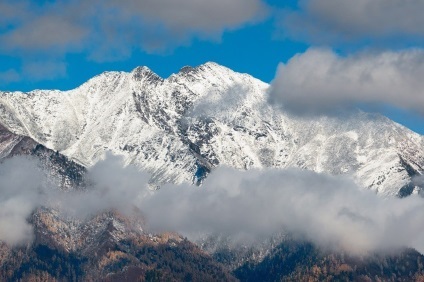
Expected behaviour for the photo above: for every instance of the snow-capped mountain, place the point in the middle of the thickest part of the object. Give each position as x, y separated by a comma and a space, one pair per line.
181, 127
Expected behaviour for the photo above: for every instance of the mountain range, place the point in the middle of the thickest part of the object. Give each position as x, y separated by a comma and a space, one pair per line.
180, 129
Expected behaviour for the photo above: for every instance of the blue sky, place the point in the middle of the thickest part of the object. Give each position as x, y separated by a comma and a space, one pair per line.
61, 44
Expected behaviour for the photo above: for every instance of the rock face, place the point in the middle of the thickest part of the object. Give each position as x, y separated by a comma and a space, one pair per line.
181, 127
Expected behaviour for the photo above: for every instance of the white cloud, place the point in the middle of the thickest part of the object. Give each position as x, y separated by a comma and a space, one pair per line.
21, 183
24, 187
320, 82
330, 211
112, 186
334, 21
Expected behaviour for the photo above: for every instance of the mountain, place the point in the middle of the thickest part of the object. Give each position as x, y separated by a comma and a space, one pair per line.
182, 127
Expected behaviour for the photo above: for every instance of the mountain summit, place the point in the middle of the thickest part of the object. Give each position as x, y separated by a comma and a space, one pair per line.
182, 127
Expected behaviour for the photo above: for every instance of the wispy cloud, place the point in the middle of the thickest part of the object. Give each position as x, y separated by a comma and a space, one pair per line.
320, 81
111, 30
338, 21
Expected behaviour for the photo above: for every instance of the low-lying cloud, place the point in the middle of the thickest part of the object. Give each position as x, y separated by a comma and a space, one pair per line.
320, 81
370, 21
330, 211
110, 186
24, 187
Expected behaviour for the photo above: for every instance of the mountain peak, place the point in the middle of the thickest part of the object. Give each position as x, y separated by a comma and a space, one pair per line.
142, 69
144, 73
213, 66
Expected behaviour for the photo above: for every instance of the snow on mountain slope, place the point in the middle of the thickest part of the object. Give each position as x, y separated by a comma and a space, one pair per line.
181, 127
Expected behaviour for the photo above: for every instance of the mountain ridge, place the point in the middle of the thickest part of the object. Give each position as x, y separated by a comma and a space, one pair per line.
181, 127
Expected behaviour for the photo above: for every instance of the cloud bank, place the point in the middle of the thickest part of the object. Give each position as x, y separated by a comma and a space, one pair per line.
337, 21
321, 82
332, 212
